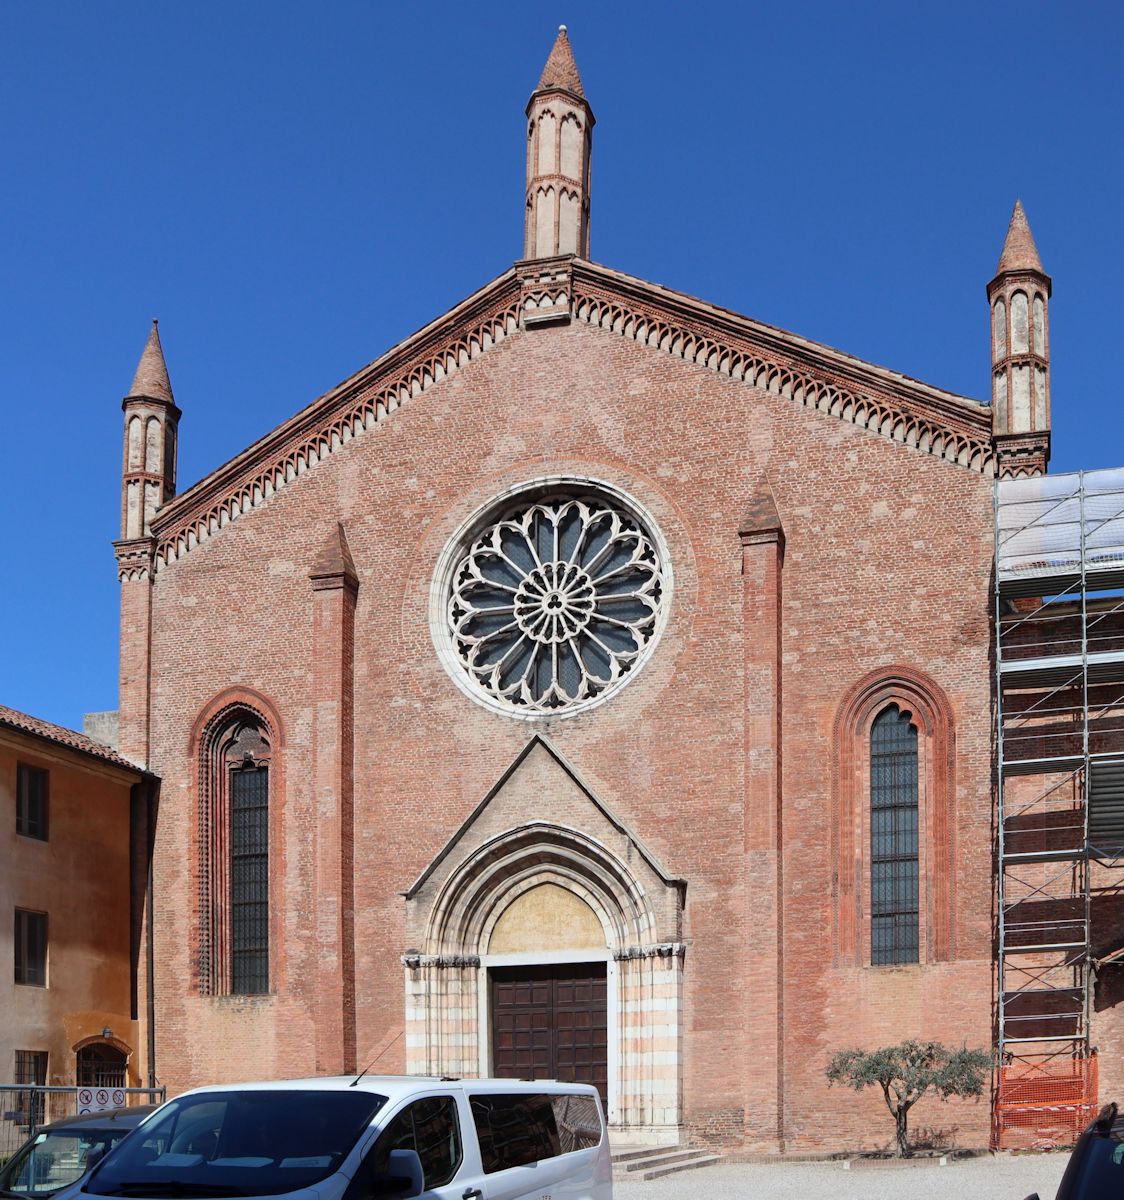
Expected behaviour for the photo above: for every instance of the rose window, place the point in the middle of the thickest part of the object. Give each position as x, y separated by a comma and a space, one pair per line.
554, 603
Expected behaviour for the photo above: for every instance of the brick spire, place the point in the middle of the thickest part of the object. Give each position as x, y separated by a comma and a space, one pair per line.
151, 430
151, 379
559, 141
561, 71
1019, 251
1019, 297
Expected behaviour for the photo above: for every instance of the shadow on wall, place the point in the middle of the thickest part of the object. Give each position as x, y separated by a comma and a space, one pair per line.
1107, 938
1110, 987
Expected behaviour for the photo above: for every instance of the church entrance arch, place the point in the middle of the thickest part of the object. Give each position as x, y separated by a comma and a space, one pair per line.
548, 966
539, 959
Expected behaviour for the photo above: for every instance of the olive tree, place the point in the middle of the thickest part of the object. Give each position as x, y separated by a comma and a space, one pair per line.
907, 1071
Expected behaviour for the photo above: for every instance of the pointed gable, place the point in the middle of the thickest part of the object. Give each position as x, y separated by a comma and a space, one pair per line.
538, 770
919, 417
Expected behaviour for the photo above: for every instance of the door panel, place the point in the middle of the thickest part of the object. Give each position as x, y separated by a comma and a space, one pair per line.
551, 1022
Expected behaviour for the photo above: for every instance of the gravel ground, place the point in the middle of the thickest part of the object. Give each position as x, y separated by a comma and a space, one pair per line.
1003, 1177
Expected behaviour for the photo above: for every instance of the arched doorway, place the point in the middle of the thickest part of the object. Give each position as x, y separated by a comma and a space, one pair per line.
542, 957
101, 1065
547, 966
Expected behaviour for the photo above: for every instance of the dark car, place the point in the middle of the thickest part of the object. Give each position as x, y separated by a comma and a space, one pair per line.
60, 1153
1095, 1170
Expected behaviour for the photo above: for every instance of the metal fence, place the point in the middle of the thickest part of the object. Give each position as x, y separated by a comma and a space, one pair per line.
25, 1107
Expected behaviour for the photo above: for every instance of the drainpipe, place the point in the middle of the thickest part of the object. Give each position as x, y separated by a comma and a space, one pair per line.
150, 979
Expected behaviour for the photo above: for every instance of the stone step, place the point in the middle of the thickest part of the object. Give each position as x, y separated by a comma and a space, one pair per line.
676, 1164
628, 1153
654, 1162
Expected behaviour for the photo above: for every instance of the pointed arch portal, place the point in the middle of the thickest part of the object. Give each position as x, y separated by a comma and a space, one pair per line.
550, 950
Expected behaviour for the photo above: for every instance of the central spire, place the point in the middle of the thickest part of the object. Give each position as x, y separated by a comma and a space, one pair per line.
559, 139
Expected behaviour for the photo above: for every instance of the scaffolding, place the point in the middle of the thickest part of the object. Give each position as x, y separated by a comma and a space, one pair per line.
1059, 663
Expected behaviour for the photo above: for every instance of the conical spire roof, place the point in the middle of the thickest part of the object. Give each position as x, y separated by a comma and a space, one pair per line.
151, 379
561, 71
1019, 251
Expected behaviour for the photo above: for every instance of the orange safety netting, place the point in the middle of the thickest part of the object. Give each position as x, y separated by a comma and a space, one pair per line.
1039, 1105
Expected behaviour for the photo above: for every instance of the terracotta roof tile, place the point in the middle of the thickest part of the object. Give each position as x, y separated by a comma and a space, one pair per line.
61, 736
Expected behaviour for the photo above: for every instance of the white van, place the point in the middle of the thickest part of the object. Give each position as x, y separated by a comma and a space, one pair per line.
362, 1139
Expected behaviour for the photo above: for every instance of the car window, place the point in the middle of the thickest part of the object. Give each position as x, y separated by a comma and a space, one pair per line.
430, 1127
514, 1129
54, 1159
1100, 1175
578, 1121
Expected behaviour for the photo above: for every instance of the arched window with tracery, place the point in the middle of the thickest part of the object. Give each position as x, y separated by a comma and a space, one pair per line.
894, 864
236, 757
893, 860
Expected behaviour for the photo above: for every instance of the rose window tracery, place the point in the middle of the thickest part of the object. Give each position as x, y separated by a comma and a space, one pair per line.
555, 601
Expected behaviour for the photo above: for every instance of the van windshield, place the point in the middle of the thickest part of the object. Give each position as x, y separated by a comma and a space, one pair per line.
251, 1143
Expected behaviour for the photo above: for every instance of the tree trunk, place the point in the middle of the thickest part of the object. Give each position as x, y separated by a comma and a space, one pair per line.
901, 1117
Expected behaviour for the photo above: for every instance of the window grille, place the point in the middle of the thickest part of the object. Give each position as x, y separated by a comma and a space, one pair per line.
31, 1068
101, 1066
31, 948
249, 880
893, 839
31, 801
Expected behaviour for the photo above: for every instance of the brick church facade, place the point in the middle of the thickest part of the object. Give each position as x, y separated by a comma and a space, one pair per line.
597, 684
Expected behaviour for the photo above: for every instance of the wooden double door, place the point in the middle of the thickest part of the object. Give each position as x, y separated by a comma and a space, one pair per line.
551, 1022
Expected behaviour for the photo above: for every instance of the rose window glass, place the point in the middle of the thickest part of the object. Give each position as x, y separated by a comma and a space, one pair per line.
554, 602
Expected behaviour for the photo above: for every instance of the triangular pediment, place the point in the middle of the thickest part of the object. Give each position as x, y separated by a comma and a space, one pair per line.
920, 418
539, 787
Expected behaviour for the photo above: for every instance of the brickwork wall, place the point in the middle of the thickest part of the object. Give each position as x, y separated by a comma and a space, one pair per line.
887, 562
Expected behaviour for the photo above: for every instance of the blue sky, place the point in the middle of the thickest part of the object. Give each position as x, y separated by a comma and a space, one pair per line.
293, 187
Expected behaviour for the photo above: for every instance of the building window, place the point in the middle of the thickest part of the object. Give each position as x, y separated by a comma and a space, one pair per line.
31, 801
552, 600
31, 948
892, 851
893, 839
249, 879
31, 1068
234, 826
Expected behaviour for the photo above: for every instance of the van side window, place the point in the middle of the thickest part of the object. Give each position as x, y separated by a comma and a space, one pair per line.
428, 1126
578, 1121
514, 1130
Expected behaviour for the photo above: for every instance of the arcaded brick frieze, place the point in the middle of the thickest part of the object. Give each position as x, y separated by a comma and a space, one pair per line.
358, 404
893, 407
928, 420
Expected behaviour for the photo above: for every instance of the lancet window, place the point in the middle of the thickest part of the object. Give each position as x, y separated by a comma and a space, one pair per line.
893, 838
236, 760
